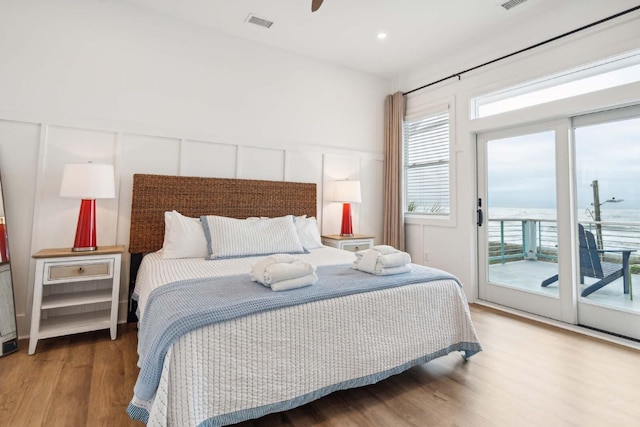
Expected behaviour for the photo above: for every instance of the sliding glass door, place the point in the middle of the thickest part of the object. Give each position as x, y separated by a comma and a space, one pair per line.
518, 239
607, 166
560, 229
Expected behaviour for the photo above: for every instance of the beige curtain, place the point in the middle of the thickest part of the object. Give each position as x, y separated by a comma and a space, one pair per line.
393, 229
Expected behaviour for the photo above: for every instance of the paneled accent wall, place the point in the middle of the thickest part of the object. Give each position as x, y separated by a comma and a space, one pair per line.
32, 157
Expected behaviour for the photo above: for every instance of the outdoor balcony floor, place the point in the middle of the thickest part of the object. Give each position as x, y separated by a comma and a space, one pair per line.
527, 275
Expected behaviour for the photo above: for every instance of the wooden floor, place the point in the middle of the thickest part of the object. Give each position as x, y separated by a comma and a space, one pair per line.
529, 374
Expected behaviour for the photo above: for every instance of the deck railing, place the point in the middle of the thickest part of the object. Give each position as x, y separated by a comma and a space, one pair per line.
537, 239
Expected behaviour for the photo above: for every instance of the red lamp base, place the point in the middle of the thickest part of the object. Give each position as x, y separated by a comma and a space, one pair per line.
86, 229
347, 227
4, 246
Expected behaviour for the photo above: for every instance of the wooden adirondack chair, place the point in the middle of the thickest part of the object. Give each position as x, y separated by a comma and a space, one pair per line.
592, 266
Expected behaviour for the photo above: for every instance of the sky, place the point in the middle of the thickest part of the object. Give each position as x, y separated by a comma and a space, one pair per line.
521, 170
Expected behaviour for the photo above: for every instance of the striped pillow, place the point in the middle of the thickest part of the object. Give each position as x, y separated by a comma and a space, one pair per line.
235, 238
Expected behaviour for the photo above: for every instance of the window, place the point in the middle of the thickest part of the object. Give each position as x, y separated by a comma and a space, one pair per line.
426, 164
612, 72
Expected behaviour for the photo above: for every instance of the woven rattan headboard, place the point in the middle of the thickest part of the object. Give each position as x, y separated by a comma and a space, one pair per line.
195, 196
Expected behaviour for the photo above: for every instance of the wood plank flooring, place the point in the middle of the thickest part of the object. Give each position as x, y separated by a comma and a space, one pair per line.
529, 374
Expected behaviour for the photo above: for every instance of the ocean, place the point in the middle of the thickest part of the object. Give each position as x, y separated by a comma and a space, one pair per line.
620, 227
630, 216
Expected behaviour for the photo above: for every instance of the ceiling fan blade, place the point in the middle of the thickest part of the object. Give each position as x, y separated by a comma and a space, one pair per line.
315, 5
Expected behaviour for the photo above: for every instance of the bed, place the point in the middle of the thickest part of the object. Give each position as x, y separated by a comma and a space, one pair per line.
271, 358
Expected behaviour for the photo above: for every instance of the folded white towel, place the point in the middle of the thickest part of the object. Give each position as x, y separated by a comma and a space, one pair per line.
395, 259
385, 249
298, 282
382, 249
382, 260
393, 270
257, 269
284, 271
281, 272
368, 261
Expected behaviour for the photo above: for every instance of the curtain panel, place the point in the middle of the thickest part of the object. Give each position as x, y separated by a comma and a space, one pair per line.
393, 226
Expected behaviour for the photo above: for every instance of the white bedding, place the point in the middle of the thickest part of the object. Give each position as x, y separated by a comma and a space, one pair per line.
156, 271
244, 368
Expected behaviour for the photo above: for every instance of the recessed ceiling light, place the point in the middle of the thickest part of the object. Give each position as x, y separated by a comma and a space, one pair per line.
382, 36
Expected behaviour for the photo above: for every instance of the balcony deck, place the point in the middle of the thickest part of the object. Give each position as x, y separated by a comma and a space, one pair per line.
528, 274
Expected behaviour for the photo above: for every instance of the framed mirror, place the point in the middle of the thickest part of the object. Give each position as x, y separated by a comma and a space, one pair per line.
8, 329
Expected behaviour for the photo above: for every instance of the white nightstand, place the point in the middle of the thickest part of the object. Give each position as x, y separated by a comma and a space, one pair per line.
355, 243
67, 285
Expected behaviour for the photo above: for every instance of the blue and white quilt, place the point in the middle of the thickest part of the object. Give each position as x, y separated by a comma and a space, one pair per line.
221, 350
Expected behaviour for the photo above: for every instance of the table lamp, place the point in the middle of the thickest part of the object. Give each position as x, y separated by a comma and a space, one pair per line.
347, 192
87, 181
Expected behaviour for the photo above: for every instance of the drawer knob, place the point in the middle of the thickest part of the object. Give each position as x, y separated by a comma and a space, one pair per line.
80, 269
357, 248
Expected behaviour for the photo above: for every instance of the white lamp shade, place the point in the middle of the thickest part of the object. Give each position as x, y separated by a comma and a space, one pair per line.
88, 181
347, 191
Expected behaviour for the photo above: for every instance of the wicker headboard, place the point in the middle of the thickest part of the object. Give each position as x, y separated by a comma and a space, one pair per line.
196, 196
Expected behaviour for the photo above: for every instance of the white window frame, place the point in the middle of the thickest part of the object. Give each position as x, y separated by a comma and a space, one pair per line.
414, 112
575, 74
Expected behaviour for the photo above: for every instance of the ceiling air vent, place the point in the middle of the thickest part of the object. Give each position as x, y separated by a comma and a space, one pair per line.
512, 3
253, 19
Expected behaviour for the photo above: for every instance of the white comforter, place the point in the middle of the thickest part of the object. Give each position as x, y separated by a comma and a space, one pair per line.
156, 271
240, 369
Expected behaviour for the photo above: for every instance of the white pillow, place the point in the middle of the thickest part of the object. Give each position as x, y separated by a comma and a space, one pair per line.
183, 237
308, 232
232, 238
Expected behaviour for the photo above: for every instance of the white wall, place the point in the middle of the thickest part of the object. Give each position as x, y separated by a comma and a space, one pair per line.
451, 245
99, 80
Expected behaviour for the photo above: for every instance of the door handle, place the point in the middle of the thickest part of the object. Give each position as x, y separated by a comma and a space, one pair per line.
480, 217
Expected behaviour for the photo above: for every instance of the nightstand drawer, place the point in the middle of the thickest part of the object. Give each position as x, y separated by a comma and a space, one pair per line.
355, 247
78, 271
358, 242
